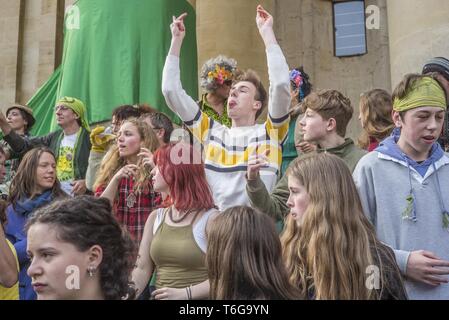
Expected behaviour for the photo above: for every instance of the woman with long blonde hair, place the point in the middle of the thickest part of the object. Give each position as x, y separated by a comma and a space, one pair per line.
375, 117
124, 178
329, 246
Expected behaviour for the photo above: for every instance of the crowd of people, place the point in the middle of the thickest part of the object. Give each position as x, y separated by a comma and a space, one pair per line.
231, 208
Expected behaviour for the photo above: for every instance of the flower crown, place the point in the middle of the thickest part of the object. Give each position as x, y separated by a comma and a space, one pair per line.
219, 75
296, 78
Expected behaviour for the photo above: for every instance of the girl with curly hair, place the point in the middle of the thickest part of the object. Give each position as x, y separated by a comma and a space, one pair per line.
124, 179
79, 251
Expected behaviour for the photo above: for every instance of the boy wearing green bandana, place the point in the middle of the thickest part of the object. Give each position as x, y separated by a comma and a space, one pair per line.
70, 144
403, 187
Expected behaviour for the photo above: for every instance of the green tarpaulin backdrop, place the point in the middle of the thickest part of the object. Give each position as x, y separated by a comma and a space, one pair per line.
114, 52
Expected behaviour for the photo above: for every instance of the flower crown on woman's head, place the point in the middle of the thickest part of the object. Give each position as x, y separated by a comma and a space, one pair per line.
219, 75
217, 71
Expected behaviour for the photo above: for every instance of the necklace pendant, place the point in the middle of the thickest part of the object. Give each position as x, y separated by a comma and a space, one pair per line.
131, 200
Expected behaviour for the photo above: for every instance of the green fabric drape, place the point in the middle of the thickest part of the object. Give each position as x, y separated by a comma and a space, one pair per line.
114, 53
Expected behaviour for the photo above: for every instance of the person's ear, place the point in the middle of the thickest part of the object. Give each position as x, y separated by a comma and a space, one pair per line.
257, 105
331, 124
95, 256
397, 120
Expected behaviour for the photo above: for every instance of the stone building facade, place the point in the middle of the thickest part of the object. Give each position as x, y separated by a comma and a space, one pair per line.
410, 31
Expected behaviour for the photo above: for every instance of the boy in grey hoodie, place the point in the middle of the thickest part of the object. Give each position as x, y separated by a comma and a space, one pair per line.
402, 183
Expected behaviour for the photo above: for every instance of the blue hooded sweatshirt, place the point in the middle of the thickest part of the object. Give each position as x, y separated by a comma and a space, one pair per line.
15, 232
390, 147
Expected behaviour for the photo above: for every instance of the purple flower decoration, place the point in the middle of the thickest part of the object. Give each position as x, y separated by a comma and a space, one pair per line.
296, 78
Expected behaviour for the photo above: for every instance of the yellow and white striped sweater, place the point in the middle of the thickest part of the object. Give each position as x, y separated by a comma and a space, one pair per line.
227, 149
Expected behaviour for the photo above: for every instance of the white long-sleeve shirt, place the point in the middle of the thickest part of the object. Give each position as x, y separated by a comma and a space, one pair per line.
227, 149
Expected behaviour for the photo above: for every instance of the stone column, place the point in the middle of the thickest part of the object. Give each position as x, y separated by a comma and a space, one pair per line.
9, 50
418, 30
39, 46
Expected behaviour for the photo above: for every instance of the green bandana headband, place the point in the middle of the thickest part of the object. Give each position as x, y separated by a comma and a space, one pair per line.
425, 92
78, 107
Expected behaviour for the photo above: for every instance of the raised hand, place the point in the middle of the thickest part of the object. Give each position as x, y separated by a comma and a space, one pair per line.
178, 32
101, 140
264, 20
177, 27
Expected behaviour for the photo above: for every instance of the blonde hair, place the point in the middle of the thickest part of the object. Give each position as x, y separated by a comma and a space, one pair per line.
375, 112
112, 162
328, 252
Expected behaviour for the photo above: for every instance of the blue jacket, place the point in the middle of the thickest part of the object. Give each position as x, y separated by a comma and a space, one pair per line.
17, 218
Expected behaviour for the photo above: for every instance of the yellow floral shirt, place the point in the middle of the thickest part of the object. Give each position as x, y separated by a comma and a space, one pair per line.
64, 165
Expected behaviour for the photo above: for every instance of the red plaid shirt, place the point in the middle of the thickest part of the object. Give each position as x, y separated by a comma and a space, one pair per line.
135, 216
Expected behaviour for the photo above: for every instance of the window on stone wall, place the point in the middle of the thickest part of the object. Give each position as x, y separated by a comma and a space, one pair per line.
349, 28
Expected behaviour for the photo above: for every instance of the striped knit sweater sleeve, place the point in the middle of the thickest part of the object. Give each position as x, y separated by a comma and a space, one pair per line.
279, 94
180, 102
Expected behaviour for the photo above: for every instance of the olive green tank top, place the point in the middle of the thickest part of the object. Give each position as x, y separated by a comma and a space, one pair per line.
179, 260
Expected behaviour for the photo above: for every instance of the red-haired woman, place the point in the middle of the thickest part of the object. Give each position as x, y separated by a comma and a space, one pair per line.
174, 238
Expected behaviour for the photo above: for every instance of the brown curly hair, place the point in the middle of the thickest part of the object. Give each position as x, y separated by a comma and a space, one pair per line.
86, 221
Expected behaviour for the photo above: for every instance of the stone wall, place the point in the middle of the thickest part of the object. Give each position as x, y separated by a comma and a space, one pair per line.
30, 46
9, 50
419, 30
410, 32
305, 33
229, 28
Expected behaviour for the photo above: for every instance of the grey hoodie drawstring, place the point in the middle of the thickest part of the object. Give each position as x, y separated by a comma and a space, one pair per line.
445, 213
410, 211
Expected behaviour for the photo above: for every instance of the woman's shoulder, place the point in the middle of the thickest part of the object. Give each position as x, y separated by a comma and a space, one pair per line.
211, 215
